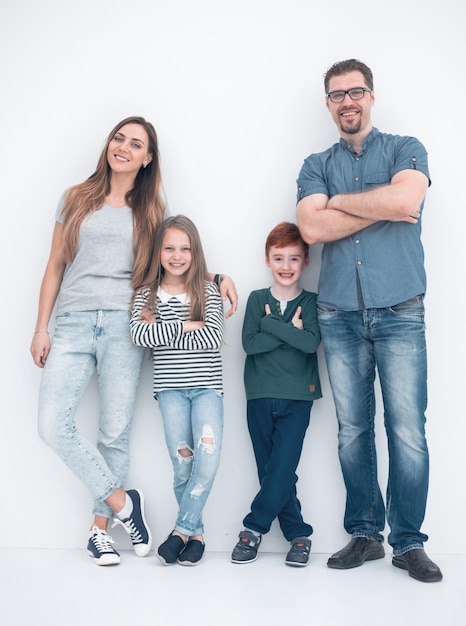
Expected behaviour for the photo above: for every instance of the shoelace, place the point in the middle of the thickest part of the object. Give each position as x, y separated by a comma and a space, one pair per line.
101, 540
130, 527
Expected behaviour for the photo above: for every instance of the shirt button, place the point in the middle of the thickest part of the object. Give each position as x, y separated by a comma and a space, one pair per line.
356, 179
359, 262
357, 241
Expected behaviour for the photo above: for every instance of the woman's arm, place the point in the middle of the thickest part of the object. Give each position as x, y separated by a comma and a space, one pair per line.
50, 286
227, 291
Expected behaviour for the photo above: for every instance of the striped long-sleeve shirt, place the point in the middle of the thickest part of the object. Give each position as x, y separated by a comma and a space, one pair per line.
181, 360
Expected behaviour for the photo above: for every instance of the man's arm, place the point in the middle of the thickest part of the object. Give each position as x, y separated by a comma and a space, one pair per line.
399, 201
321, 219
319, 223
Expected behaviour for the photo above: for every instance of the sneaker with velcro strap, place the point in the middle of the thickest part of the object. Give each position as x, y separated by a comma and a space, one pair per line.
298, 554
246, 549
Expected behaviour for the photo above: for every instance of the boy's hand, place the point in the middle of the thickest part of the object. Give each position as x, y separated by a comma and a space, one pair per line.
297, 321
268, 311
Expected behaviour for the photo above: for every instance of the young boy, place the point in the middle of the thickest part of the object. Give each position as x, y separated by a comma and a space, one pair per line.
280, 337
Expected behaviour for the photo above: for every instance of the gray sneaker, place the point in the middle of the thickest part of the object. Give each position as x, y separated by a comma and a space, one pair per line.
246, 549
298, 555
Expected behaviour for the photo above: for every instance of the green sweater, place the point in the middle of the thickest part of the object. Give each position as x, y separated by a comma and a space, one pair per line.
281, 360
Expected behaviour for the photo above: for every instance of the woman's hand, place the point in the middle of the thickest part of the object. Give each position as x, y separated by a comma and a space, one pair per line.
228, 291
40, 347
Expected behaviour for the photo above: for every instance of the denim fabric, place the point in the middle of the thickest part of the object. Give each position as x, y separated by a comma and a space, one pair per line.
85, 342
277, 428
391, 340
190, 417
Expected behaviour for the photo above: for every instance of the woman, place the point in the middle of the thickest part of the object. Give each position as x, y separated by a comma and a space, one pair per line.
101, 245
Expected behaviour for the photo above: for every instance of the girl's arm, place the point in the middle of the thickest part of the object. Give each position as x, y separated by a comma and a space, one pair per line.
50, 286
207, 335
150, 335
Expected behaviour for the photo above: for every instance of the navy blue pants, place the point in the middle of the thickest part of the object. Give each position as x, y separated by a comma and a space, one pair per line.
277, 429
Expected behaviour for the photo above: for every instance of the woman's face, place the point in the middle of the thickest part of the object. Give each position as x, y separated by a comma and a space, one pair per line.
128, 149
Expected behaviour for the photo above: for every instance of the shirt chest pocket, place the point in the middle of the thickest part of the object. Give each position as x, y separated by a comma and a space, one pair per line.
376, 179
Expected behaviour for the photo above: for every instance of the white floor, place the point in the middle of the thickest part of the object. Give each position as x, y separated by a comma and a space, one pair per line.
65, 588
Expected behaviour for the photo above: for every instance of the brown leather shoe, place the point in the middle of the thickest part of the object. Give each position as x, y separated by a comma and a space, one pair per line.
418, 565
356, 552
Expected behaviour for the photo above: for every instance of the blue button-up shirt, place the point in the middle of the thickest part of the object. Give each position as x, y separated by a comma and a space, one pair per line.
383, 264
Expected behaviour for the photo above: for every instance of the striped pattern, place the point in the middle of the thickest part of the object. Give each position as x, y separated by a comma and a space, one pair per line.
182, 360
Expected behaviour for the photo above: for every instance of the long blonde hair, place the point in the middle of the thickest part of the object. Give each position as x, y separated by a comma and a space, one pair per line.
145, 200
196, 275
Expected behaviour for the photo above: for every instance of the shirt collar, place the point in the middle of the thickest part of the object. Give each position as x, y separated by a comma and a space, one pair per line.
365, 144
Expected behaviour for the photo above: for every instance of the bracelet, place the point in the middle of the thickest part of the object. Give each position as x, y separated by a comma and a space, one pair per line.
41, 330
218, 279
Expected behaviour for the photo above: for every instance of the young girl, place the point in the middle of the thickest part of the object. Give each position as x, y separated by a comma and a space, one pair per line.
179, 313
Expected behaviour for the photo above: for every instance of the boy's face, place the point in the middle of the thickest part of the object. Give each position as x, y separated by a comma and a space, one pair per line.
287, 264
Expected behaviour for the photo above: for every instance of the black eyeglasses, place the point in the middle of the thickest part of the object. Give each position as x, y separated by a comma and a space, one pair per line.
356, 93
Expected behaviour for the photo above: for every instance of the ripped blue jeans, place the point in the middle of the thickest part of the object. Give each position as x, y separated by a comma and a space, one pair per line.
193, 425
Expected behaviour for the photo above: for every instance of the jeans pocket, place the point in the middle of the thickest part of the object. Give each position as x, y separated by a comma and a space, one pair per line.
326, 312
414, 307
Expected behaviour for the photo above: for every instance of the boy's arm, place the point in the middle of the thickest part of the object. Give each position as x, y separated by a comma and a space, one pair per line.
255, 340
306, 339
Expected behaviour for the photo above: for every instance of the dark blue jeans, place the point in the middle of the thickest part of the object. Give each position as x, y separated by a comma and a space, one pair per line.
277, 428
391, 341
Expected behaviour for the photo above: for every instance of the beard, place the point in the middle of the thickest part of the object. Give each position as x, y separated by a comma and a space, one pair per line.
351, 129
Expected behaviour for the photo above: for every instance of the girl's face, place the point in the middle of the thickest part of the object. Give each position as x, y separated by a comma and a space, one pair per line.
176, 257
128, 149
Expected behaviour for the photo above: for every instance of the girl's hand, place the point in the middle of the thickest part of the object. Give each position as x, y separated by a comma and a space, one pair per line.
190, 326
40, 348
147, 316
268, 310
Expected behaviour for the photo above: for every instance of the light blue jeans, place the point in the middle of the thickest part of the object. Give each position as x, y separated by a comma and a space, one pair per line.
391, 340
85, 342
193, 425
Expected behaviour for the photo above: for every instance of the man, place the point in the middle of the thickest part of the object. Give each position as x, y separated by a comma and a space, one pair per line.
363, 199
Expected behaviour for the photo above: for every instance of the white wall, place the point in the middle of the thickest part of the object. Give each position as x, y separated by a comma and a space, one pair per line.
235, 91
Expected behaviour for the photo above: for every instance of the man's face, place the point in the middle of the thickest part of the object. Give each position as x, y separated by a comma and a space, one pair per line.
352, 117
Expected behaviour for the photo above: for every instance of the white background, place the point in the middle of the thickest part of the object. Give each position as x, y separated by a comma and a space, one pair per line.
235, 91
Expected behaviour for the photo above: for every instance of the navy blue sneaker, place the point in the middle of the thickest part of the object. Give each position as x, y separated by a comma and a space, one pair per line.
136, 525
192, 553
100, 547
170, 549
